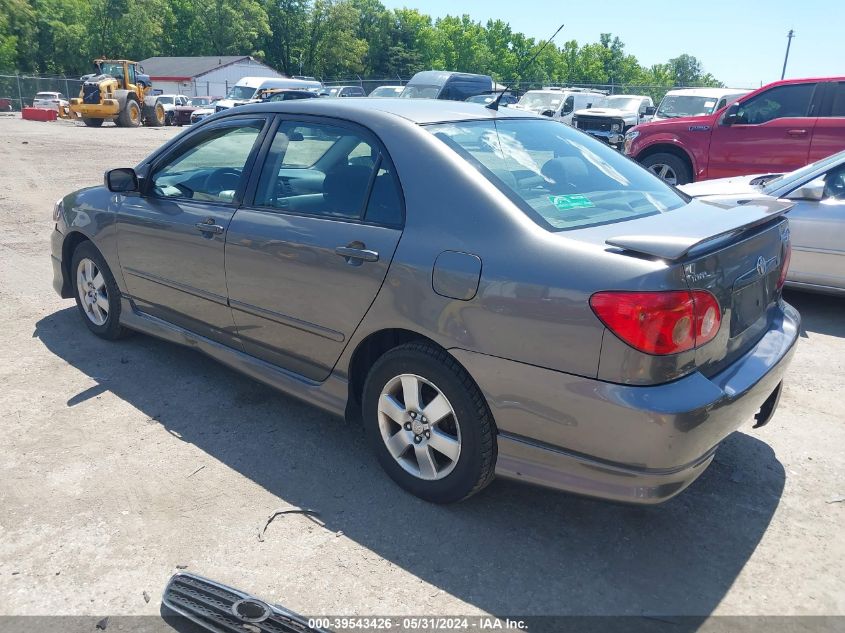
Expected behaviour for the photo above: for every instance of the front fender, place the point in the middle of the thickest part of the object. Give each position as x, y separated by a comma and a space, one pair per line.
696, 152
92, 212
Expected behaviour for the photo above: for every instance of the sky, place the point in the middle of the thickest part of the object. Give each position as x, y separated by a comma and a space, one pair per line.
740, 43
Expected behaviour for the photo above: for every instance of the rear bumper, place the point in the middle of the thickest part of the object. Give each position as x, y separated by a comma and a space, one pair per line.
621, 442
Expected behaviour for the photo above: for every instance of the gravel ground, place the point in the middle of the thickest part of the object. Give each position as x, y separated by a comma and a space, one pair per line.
122, 461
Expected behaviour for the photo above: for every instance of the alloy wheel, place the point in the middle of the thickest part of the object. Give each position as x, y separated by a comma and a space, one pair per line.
93, 293
664, 172
419, 427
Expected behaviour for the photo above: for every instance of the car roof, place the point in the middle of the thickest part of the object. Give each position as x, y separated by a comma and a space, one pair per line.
629, 96
419, 111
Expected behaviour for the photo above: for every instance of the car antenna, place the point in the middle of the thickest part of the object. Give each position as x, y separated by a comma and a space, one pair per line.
494, 105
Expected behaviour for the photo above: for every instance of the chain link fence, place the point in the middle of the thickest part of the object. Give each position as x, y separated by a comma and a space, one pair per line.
17, 91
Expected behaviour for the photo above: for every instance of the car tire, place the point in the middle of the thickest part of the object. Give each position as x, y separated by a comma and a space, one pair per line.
96, 292
668, 167
92, 122
443, 459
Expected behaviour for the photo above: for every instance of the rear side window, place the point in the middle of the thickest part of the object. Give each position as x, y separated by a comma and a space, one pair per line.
838, 108
331, 171
555, 174
778, 103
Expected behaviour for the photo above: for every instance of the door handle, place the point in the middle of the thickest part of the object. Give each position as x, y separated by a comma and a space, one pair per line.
361, 254
797, 132
208, 226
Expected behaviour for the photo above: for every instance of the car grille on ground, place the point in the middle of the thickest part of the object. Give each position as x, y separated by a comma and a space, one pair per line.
594, 123
224, 609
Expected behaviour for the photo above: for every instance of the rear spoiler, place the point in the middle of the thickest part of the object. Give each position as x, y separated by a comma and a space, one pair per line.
703, 230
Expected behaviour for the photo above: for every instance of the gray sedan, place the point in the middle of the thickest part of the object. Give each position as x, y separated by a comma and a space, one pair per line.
492, 293
817, 221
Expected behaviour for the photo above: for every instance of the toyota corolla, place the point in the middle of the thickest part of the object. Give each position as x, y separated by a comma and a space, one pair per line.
493, 293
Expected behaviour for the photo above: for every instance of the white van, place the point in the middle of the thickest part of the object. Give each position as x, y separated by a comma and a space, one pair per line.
559, 103
245, 90
695, 102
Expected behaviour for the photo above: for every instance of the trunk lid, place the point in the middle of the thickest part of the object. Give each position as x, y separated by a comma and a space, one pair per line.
735, 252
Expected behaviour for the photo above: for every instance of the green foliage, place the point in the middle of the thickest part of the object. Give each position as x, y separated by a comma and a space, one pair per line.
324, 38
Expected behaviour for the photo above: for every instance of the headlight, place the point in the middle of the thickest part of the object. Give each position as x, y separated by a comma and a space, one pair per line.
630, 135
616, 127
57, 210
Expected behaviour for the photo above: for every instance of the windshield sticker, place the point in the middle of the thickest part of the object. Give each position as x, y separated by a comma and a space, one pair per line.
574, 201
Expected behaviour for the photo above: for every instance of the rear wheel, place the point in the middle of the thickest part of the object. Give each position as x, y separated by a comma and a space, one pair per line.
92, 122
130, 116
97, 294
429, 424
668, 167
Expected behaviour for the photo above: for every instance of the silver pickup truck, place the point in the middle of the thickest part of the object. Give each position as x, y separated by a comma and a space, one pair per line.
610, 118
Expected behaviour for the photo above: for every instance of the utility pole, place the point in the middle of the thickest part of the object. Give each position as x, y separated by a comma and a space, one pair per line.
789, 37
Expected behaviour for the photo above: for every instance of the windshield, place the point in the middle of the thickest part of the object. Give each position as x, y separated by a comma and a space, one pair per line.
167, 100
558, 176
241, 92
619, 103
115, 70
674, 106
387, 91
420, 91
540, 100
46, 95
199, 101
795, 177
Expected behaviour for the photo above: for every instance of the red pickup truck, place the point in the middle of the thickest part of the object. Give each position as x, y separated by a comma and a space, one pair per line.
779, 127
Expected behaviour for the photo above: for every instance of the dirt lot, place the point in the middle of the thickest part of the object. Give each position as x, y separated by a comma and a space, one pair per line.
121, 461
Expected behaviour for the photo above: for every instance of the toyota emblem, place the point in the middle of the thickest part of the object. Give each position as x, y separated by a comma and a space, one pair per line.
761, 265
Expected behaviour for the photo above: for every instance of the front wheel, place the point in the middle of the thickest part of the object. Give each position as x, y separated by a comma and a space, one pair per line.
429, 424
92, 122
97, 294
668, 167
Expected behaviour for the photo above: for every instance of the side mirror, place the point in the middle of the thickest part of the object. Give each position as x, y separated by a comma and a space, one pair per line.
549, 113
731, 115
812, 191
121, 180
649, 111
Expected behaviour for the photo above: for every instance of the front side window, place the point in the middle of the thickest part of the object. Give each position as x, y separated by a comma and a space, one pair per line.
568, 104
212, 167
330, 171
777, 103
834, 184
558, 176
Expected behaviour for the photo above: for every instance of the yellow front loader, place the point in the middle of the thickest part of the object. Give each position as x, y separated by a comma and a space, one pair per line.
119, 91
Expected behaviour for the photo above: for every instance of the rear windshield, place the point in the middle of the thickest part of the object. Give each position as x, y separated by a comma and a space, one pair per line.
559, 176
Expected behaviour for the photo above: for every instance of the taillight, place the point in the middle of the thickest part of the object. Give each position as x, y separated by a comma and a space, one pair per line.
784, 269
659, 323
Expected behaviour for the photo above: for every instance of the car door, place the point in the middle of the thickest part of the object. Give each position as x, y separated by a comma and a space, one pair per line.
770, 132
829, 132
817, 228
171, 236
307, 257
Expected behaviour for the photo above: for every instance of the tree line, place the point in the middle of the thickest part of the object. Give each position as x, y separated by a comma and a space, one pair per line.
323, 38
